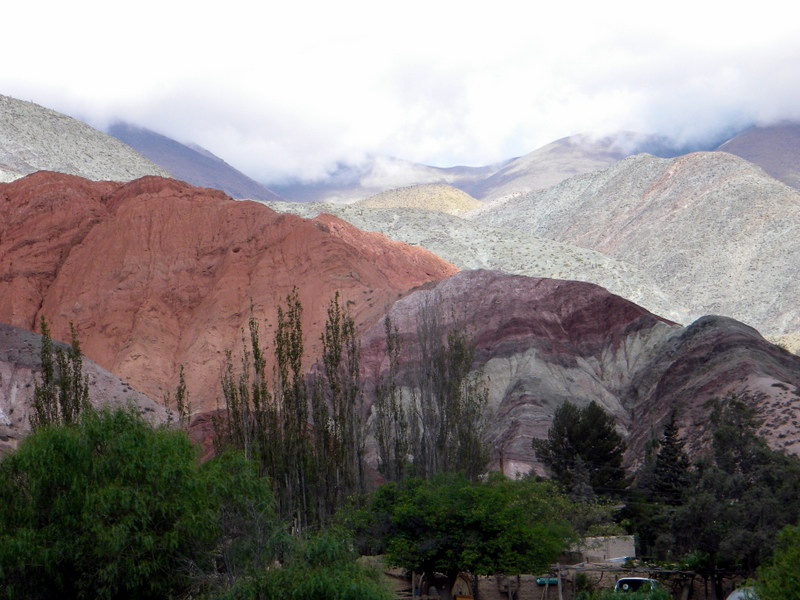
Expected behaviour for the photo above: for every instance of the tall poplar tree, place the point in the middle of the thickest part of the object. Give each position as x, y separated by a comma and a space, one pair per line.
63, 393
308, 434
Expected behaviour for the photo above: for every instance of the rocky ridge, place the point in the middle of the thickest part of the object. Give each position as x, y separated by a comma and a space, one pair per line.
473, 245
774, 148
548, 166
717, 234
33, 138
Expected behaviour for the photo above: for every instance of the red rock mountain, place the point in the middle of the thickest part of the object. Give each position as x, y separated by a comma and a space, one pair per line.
156, 273
541, 342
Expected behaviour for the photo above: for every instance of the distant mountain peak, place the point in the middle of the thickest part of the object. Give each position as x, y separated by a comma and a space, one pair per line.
774, 148
190, 162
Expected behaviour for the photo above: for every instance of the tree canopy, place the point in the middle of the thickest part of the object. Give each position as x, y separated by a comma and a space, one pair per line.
583, 449
778, 578
441, 427
63, 392
741, 496
449, 524
108, 508
308, 435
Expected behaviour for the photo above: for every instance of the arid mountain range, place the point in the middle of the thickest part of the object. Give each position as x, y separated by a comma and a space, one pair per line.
536, 170
157, 273
717, 233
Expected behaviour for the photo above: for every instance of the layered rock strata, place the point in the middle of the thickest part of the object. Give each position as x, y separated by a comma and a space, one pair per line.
542, 342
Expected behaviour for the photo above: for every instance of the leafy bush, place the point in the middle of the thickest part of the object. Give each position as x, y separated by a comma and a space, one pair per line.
107, 508
251, 536
321, 567
778, 578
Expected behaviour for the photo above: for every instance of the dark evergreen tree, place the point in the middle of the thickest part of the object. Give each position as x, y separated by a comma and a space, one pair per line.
584, 439
740, 497
661, 485
670, 475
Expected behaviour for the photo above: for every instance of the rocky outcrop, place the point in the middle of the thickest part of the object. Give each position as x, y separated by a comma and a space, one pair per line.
33, 138
717, 234
157, 273
432, 196
714, 356
20, 367
541, 342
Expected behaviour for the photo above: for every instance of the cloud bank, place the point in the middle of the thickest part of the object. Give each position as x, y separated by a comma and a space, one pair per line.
289, 91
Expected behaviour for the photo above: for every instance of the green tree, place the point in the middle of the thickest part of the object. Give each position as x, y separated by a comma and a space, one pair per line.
183, 407
308, 436
439, 426
778, 578
450, 525
391, 418
661, 486
667, 474
447, 420
671, 473
581, 442
64, 390
251, 536
740, 497
106, 508
339, 428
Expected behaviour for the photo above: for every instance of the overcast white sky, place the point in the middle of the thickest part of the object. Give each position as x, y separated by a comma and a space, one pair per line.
288, 88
